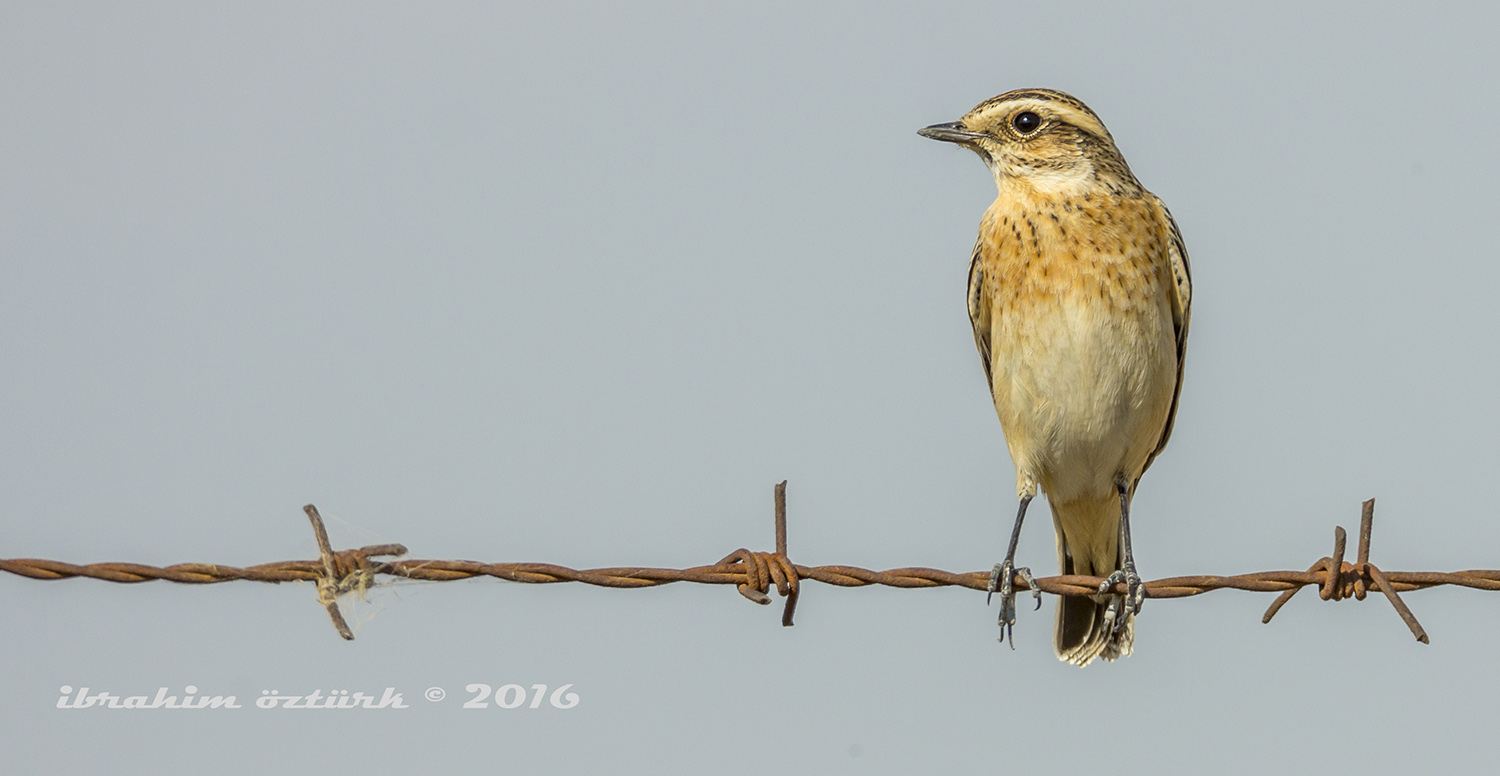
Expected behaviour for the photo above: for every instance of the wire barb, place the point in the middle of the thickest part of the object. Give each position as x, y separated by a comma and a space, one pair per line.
753, 573
345, 571
763, 568
1341, 579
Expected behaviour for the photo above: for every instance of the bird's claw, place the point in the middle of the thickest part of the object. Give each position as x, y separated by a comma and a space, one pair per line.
1002, 581
1135, 594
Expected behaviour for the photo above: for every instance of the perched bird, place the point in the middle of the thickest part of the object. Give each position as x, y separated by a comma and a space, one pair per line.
1079, 296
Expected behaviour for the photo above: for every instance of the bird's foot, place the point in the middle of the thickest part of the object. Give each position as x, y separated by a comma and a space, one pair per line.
1122, 606
1002, 581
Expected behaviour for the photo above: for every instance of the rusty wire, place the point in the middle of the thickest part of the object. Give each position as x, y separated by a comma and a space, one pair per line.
755, 573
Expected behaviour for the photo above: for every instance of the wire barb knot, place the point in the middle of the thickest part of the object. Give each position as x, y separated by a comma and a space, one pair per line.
344, 571
761, 569
1348, 580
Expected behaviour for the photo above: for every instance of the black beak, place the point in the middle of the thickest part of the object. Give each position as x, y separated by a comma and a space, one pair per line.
952, 132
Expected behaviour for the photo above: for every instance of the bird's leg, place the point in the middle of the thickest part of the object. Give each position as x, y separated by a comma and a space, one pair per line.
1002, 579
1135, 590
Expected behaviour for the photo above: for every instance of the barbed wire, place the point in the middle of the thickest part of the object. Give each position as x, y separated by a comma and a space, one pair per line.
754, 573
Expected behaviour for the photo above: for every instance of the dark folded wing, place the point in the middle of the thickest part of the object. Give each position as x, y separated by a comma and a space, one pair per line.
1182, 308
979, 312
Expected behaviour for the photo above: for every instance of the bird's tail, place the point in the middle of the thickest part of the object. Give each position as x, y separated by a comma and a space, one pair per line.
1088, 544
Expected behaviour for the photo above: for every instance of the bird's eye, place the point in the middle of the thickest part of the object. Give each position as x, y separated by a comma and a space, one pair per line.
1026, 122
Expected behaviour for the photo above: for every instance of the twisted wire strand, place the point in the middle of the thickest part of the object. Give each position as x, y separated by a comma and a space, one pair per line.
754, 574
730, 572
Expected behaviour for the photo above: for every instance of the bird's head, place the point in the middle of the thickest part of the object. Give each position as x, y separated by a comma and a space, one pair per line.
1041, 137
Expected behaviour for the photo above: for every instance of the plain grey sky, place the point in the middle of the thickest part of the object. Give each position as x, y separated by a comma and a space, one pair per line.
578, 283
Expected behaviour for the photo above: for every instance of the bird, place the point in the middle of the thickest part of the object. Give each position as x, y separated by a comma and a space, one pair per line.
1079, 295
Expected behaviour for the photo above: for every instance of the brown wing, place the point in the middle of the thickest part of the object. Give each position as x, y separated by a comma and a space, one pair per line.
979, 312
1182, 308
